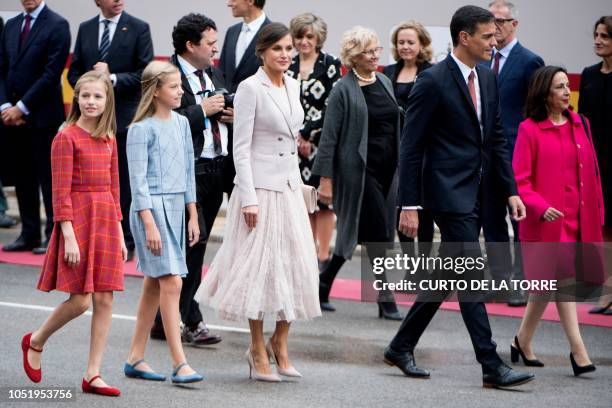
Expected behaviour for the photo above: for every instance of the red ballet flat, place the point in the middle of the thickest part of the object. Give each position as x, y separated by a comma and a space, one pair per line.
33, 374
92, 389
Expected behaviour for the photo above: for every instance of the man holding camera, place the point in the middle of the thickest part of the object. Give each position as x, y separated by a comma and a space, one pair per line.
209, 110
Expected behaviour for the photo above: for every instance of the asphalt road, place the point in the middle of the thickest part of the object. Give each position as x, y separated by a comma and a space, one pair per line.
340, 356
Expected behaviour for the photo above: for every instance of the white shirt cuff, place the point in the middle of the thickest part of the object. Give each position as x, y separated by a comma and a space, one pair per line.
23, 108
411, 207
113, 79
5, 106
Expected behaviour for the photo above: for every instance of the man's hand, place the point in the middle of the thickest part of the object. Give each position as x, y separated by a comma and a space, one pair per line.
228, 116
12, 116
517, 208
102, 67
213, 104
409, 223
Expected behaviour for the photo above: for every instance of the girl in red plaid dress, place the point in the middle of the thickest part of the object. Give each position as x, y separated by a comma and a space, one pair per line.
86, 251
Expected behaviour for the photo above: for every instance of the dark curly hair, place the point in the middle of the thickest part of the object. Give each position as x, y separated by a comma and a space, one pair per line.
190, 28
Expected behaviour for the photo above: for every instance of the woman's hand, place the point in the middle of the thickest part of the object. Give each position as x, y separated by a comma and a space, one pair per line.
193, 229
72, 255
325, 190
304, 147
551, 214
250, 215
153, 237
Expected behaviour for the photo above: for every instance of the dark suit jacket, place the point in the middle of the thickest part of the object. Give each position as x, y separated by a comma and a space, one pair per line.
227, 61
443, 155
32, 73
193, 111
130, 51
513, 82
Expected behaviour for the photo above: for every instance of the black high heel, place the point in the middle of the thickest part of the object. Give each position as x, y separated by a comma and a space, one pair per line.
388, 310
515, 352
581, 369
601, 309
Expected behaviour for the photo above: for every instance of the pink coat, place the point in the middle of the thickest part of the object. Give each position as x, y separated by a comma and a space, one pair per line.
537, 170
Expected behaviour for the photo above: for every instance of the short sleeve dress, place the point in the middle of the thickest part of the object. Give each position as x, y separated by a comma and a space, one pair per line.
85, 181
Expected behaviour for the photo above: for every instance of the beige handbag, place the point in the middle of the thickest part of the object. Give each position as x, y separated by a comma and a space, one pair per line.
310, 197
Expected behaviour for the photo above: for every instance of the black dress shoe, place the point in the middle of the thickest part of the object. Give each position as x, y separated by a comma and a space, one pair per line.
41, 250
324, 290
388, 310
21, 245
405, 362
130, 255
157, 331
201, 336
505, 377
6, 221
581, 369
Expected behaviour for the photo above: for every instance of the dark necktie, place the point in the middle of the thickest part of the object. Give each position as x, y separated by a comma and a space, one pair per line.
105, 41
496, 63
472, 89
23, 37
214, 125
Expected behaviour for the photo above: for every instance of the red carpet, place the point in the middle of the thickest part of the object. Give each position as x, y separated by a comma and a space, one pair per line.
350, 289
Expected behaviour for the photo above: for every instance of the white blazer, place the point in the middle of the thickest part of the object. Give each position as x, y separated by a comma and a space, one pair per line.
265, 137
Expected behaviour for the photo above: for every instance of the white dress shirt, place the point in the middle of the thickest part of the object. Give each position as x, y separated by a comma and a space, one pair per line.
208, 152
34, 15
465, 71
504, 52
247, 33
112, 27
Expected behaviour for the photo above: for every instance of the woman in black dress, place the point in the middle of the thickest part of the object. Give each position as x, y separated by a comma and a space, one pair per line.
411, 49
596, 104
317, 73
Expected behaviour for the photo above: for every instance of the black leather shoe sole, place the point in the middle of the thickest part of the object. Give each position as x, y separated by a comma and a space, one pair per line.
502, 386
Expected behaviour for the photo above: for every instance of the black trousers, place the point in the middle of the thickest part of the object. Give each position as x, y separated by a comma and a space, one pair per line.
33, 175
463, 228
209, 195
125, 195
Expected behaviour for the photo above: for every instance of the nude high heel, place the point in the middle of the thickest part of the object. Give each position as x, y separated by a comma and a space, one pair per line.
287, 372
253, 374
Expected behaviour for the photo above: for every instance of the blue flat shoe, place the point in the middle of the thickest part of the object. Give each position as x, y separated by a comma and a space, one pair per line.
185, 379
130, 371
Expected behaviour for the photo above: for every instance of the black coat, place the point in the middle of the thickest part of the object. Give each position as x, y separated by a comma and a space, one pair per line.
249, 64
32, 73
130, 51
443, 155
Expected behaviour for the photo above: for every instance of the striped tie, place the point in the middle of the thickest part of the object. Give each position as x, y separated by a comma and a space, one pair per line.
105, 42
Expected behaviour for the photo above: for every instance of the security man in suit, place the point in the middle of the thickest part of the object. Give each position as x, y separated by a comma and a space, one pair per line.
33, 50
119, 45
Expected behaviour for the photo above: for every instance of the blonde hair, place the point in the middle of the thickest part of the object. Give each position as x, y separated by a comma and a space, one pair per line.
300, 23
152, 78
426, 51
106, 126
354, 42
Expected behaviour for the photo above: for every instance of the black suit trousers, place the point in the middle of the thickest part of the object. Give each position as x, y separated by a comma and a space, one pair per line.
125, 195
33, 175
464, 228
209, 195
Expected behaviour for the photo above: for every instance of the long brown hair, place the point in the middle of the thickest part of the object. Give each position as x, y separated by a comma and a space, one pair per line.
153, 77
539, 89
106, 126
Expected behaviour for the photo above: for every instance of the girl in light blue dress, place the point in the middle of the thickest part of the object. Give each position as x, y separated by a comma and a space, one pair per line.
162, 182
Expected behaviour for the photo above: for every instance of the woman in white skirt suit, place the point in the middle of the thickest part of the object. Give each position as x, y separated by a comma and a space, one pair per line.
267, 264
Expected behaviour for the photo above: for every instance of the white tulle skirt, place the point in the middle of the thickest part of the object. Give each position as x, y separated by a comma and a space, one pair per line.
270, 271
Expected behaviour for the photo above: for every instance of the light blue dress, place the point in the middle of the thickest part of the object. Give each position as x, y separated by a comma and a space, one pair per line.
162, 179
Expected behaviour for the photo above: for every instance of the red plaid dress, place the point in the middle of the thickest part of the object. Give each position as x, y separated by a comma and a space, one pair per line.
85, 191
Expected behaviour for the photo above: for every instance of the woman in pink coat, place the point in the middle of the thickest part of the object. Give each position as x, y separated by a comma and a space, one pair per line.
558, 180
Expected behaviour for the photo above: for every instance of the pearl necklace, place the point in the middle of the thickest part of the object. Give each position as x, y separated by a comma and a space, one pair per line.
372, 78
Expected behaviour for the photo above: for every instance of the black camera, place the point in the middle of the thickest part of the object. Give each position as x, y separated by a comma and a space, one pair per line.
228, 100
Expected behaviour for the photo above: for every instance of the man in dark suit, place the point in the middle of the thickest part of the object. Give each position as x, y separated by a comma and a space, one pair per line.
33, 52
513, 65
452, 152
195, 45
119, 45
